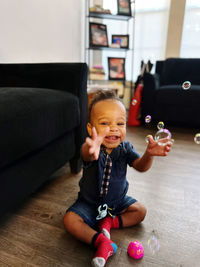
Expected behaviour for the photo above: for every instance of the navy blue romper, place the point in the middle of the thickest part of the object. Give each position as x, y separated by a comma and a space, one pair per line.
90, 184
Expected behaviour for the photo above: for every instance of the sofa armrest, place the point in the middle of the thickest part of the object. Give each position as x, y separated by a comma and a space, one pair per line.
151, 83
78, 87
156, 77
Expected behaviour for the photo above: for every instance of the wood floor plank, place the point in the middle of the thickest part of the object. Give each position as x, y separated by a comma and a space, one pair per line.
51, 212
8, 260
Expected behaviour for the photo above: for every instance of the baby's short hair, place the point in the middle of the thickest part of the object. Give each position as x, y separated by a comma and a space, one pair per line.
102, 95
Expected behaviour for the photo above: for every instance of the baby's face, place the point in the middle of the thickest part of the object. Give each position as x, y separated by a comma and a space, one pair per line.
109, 118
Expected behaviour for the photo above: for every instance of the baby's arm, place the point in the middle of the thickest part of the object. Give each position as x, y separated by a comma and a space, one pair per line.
91, 147
153, 149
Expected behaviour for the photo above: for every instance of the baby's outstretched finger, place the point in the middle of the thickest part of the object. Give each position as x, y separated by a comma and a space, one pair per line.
94, 133
151, 140
88, 141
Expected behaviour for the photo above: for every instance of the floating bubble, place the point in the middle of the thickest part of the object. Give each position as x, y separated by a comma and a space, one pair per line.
186, 85
153, 243
197, 138
147, 138
160, 125
134, 102
163, 136
148, 119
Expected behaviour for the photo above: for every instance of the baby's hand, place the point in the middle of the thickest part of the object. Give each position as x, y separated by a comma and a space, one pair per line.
94, 143
154, 149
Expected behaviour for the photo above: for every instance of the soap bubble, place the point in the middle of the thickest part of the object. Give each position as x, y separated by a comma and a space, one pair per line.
134, 102
197, 139
147, 138
186, 85
160, 125
164, 136
153, 243
148, 119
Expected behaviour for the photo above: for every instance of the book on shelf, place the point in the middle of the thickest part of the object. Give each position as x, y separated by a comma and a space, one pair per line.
97, 73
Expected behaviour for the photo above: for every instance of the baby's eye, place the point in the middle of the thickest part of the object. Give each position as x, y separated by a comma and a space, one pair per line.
121, 123
104, 123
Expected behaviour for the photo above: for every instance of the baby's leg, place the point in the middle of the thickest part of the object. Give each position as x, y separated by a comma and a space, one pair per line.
133, 215
78, 228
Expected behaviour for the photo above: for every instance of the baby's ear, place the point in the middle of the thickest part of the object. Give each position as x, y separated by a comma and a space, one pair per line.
89, 128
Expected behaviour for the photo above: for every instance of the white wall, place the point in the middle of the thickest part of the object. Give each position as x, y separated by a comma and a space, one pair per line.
41, 30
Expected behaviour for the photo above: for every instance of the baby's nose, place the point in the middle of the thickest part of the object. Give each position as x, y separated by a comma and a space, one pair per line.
113, 128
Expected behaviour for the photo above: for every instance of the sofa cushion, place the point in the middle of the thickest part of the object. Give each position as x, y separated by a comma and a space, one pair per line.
179, 70
30, 118
175, 95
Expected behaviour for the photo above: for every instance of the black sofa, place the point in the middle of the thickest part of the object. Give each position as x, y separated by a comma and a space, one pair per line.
164, 98
43, 113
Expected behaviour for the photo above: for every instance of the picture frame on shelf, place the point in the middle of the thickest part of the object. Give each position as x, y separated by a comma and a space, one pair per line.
116, 68
124, 7
122, 40
98, 35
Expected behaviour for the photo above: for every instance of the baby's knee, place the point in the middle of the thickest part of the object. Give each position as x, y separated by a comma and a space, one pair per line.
70, 220
142, 211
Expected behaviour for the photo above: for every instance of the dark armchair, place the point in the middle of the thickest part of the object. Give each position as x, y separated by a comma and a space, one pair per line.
164, 98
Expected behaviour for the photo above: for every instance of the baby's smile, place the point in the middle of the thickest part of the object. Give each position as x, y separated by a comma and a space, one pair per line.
112, 138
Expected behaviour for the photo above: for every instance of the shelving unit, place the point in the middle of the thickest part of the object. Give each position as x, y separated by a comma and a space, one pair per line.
98, 55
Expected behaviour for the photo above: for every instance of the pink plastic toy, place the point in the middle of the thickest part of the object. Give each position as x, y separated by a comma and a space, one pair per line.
135, 250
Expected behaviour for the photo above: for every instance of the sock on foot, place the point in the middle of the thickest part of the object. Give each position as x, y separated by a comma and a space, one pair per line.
105, 249
109, 223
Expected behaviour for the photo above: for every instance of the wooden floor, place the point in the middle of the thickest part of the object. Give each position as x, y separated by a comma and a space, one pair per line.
33, 235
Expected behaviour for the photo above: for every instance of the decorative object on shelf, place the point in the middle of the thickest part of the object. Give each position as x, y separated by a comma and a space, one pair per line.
97, 73
124, 7
99, 9
121, 40
115, 45
98, 35
116, 67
